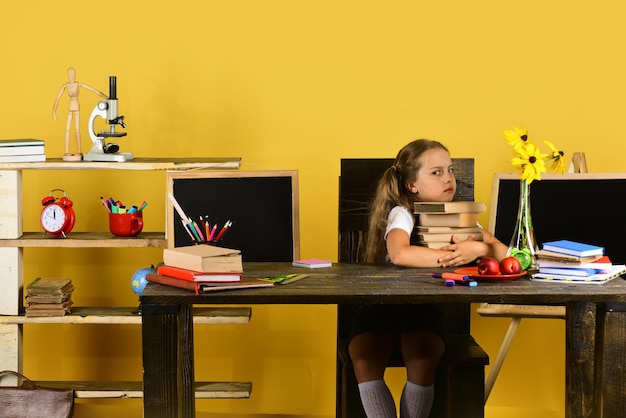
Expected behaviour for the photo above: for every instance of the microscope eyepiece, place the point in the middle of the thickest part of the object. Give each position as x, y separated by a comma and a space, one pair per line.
113, 87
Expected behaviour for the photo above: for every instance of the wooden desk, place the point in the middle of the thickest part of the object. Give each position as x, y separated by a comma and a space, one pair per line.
168, 332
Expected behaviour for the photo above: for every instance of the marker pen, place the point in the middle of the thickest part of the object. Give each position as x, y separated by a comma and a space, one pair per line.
456, 278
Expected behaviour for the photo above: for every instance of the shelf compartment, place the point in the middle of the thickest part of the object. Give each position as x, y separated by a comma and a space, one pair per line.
129, 316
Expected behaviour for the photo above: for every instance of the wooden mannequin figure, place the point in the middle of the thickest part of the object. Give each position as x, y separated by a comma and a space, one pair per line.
73, 87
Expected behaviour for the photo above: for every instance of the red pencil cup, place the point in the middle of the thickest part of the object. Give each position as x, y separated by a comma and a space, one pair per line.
126, 224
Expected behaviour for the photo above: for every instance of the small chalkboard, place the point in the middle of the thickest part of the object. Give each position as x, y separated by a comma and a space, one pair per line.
262, 206
584, 207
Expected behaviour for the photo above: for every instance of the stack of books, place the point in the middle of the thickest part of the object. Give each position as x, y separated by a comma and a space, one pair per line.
437, 222
202, 269
566, 261
49, 297
22, 150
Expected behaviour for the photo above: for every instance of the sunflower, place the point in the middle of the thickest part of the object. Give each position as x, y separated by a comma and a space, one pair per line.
516, 136
529, 158
556, 157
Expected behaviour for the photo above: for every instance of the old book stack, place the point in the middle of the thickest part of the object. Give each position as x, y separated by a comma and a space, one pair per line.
437, 222
203, 268
49, 297
567, 261
22, 150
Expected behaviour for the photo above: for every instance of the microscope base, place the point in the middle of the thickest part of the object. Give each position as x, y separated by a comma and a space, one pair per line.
116, 157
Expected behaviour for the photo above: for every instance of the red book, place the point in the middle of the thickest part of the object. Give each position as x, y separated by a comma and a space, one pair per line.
196, 276
207, 287
171, 281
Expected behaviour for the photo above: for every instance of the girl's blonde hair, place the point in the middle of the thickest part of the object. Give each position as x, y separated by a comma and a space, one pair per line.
392, 191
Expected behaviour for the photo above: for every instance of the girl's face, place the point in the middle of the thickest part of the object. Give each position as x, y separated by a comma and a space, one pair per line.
435, 180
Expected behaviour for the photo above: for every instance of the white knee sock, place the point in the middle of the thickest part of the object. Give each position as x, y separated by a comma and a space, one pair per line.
416, 400
377, 399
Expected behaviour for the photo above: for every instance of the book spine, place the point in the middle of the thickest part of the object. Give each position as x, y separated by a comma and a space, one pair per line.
177, 273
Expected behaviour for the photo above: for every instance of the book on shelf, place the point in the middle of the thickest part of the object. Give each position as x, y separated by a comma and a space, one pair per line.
206, 287
49, 286
312, 263
597, 263
477, 236
66, 304
448, 229
23, 150
447, 219
194, 276
449, 207
573, 248
59, 311
204, 258
24, 142
48, 298
616, 271
36, 158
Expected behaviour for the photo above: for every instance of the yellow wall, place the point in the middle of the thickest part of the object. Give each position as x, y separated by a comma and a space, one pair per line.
299, 85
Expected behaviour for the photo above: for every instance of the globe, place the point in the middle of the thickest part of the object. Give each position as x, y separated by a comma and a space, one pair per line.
138, 282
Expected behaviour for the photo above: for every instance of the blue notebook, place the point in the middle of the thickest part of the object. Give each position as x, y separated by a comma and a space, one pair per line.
573, 248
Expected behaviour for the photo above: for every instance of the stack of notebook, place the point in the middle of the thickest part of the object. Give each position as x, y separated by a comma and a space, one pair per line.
49, 297
22, 150
437, 222
565, 261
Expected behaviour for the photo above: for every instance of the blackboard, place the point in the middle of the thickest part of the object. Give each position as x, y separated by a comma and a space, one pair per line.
585, 207
262, 205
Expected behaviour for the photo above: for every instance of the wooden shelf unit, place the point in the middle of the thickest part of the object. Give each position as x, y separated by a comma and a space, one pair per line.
13, 241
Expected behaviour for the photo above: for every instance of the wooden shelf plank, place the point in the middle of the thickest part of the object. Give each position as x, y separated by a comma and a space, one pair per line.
137, 164
129, 316
87, 240
126, 389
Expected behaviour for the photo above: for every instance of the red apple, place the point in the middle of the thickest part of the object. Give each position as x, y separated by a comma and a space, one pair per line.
510, 265
488, 266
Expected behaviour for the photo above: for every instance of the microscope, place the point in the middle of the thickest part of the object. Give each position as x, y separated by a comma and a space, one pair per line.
107, 109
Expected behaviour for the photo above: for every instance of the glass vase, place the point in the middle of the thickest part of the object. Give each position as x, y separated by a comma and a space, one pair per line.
523, 245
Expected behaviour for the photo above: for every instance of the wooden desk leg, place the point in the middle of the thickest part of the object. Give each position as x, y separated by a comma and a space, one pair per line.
580, 354
611, 370
168, 373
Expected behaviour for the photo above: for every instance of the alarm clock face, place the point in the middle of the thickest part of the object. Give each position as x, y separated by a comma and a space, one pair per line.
53, 218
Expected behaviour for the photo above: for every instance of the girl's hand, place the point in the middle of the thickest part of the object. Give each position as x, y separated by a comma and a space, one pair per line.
462, 252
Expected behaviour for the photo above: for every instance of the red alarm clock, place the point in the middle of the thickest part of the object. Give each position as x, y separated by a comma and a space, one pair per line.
57, 216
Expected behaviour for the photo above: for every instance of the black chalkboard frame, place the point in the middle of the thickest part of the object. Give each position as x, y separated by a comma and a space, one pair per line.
584, 207
263, 206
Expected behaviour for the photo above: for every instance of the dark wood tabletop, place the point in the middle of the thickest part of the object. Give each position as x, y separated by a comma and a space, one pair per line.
368, 283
